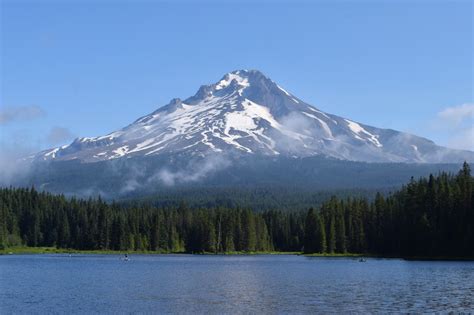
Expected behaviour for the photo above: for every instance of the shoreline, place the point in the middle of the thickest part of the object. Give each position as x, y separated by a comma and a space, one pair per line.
54, 250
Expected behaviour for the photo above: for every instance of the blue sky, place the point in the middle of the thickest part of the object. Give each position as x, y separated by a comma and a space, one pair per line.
86, 68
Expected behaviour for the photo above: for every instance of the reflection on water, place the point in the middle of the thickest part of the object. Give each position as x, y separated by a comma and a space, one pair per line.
230, 284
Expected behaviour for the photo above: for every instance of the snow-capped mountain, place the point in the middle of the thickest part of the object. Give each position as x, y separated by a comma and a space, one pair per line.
247, 113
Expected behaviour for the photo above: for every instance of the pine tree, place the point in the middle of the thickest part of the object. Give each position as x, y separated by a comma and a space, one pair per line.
341, 234
332, 235
249, 232
321, 238
432, 216
63, 233
310, 232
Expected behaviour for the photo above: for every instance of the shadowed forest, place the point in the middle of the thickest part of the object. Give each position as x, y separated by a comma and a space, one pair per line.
428, 217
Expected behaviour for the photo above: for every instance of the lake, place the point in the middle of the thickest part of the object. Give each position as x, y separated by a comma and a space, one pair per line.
231, 284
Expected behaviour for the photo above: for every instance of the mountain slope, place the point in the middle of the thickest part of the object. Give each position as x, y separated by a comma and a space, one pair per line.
246, 113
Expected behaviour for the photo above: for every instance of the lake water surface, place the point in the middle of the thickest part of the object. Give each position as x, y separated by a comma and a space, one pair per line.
231, 284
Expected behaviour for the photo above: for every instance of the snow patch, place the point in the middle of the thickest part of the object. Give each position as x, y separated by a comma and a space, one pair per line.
283, 90
323, 124
225, 82
357, 129
52, 153
322, 113
119, 152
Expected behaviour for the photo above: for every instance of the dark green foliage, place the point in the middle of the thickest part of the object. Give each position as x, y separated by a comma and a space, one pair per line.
260, 199
340, 233
321, 246
33, 218
429, 217
310, 232
332, 235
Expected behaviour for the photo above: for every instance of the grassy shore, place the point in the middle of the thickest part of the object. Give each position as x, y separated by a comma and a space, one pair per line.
53, 250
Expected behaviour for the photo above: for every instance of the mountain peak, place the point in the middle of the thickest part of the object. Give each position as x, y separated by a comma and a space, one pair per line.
252, 85
248, 113
234, 82
248, 73
253, 76
243, 78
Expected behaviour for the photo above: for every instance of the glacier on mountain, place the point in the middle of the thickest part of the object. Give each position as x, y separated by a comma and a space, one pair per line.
247, 113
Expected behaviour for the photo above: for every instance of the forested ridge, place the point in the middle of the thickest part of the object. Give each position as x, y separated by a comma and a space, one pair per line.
429, 217
267, 182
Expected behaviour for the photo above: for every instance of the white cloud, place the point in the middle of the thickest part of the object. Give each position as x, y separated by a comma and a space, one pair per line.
193, 172
58, 135
457, 123
464, 139
457, 115
13, 166
20, 113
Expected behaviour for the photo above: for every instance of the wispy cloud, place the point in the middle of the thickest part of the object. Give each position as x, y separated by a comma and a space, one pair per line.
58, 135
13, 166
458, 124
9, 114
457, 115
193, 172
136, 176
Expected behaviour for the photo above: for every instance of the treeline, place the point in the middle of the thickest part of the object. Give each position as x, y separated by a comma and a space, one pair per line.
35, 218
258, 198
431, 217
427, 217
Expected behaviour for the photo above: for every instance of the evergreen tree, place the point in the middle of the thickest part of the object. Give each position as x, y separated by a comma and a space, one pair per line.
310, 232
341, 234
320, 235
332, 235
431, 216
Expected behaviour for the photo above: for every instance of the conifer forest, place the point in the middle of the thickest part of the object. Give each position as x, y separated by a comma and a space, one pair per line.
427, 217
